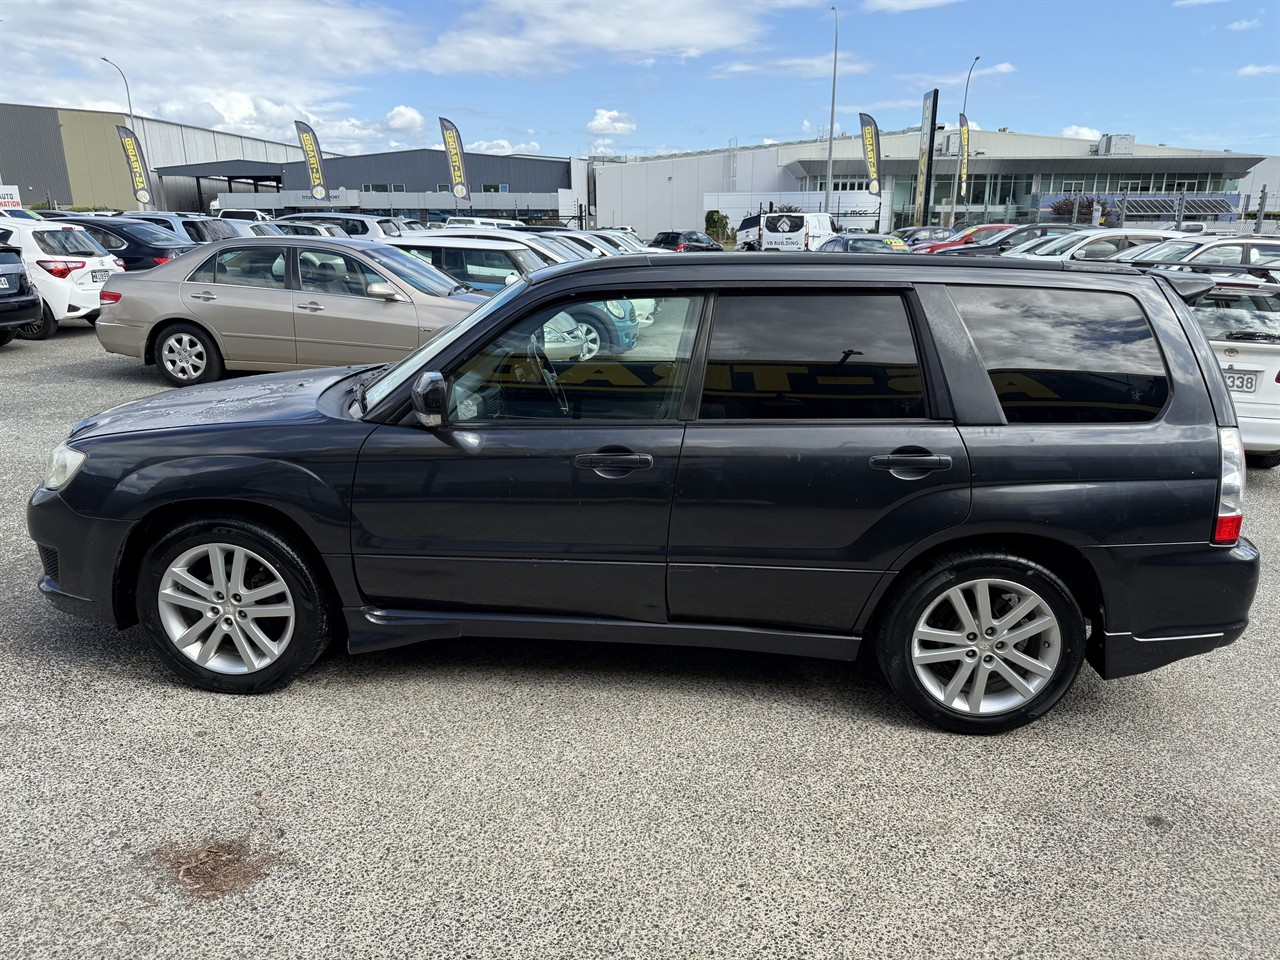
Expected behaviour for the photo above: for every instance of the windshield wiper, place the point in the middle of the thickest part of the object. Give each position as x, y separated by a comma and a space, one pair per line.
363, 385
462, 288
1252, 335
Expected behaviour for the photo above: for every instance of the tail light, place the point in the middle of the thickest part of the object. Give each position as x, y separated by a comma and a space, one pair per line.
119, 262
1226, 527
109, 296
60, 268
679, 248
160, 260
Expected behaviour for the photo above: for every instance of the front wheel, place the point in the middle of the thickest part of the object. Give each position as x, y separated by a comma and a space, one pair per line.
981, 642
41, 329
234, 607
187, 355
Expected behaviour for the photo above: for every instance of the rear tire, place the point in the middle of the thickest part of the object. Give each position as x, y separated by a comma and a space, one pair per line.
1262, 461
6, 336
187, 355
41, 329
980, 642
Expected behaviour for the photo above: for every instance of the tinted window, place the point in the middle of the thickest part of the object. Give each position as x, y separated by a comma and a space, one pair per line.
1225, 253
203, 231
834, 245
1058, 356
1263, 252
811, 357
663, 238
8, 258
109, 241
153, 235
73, 243
244, 267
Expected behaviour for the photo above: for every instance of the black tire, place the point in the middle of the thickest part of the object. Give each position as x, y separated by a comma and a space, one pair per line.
41, 329
195, 359
305, 590
6, 336
921, 686
1262, 461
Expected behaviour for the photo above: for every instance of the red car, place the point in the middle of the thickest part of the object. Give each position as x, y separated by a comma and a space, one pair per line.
977, 234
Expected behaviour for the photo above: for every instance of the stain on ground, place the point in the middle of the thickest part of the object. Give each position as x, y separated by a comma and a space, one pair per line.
215, 868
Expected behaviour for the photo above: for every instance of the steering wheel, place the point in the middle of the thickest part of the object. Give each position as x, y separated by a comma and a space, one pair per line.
538, 357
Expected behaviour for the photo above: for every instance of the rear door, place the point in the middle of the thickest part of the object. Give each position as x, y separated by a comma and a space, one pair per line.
820, 450
242, 294
337, 321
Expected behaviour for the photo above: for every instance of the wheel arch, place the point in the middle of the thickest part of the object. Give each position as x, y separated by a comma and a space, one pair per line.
160, 326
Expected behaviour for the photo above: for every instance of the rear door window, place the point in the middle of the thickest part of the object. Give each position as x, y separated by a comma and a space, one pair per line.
800, 356
1066, 356
244, 267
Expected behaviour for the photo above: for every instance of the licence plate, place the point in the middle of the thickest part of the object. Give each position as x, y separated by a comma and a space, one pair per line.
1242, 382
100, 275
4, 283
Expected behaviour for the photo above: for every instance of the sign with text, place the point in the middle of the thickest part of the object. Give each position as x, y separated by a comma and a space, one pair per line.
457, 159
310, 144
871, 152
9, 197
139, 179
924, 171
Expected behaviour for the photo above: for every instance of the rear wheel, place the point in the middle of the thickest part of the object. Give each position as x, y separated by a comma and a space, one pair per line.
41, 329
187, 355
1263, 461
981, 642
6, 336
233, 606
596, 336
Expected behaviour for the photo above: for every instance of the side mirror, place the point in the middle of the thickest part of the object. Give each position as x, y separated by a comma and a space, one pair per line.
431, 399
1006, 245
511, 278
383, 291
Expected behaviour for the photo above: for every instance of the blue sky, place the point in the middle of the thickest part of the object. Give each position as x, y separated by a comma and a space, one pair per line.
637, 77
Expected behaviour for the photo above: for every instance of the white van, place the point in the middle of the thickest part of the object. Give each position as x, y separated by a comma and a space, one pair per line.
482, 222
785, 231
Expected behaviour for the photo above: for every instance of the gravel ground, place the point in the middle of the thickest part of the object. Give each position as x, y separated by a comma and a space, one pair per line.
499, 799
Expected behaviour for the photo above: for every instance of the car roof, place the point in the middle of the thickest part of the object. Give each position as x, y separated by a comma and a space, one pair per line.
437, 238
334, 243
11, 223
317, 215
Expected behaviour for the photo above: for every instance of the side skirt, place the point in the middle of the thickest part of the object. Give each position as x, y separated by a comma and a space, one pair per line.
370, 629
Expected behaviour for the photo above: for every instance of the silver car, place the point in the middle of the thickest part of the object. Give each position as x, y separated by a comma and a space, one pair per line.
278, 303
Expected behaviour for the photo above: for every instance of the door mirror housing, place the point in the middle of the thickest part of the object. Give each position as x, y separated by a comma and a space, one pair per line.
431, 399
383, 291
511, 278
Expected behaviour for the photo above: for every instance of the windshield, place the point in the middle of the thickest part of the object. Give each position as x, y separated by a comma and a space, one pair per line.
1060, 244
67, 242
1171, 251
1139, 252
562, 251
629, 242
398, 373
1223, 313
204, 230
152, 235
20, 214
527, 259
420, 275
1027, 245
610, 241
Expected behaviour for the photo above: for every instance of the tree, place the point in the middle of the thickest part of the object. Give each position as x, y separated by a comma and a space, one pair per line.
787, 208
1065, 207
716, 224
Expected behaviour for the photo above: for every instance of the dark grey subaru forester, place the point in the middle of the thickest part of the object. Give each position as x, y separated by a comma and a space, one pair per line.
990, 472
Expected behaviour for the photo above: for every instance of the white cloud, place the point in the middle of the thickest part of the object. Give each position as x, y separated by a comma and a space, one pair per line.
913, 104
901, 6
502, 147
1244, 25
611, 121
955, 125
603, 146
769, 141
1077, 132
815, 67
404, 118
1253, 70
926, 80
1195, 3
806, 126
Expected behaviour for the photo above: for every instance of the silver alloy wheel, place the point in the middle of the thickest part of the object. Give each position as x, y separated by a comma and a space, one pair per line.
226, 608
590, 341
986, 646
184, 356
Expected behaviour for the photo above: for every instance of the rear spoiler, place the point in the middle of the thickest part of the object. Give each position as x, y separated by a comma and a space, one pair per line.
1191, 281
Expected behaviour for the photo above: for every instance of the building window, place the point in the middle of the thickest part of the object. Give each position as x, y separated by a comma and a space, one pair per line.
504, 188
443, 188
489, 188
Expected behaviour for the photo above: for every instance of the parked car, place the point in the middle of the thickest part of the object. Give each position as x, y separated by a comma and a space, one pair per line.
975, 234
544, 245
19, 299
484, 264
252, 228
308, 228
495, 222
785, 231
1244, 250
912, 235
191, 226
266, 229
55, 214
230, 214
864, 243
67, 266
1004, 241
283, 303
1241, 318
362, 225
138, 244
591, 245
19, 213
1019, 469
626, 242
1098, 243
685, 241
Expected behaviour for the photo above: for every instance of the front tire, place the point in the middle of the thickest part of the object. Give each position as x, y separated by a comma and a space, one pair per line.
187, 355
981, 642
232, 606
41, 329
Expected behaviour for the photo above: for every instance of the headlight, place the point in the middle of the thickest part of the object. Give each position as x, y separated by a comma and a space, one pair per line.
63, 464
616, 308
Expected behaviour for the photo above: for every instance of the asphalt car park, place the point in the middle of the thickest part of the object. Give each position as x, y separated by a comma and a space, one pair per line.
520, 799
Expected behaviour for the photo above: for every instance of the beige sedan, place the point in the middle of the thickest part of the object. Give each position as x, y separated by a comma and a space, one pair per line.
278, 303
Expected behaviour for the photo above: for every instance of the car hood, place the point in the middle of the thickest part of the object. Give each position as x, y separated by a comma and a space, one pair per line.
276, 397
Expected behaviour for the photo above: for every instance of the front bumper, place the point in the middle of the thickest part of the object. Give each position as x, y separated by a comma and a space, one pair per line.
80, 555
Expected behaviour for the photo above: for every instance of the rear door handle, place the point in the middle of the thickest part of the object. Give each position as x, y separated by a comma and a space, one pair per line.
203, 296
312, 306
613, 461
907, 461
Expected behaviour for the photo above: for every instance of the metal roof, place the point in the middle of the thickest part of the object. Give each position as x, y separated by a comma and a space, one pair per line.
226, 170
1161, 205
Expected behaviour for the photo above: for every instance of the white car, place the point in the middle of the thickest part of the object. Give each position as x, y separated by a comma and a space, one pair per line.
1241, 318
1095, 244
1249, 250
67, 266
485, 264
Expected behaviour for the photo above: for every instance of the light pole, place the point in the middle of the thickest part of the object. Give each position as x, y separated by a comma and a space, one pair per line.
955, 181
831, 127
129, 98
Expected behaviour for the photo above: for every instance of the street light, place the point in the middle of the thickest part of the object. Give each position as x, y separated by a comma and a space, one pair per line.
128, 97
955, 181
831, 127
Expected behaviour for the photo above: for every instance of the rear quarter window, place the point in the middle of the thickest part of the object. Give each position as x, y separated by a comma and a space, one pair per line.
68, 243
1066, 356
8, 259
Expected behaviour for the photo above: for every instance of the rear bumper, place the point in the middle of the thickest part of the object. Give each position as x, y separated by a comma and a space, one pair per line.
123, 338
1167, 602
18, 311
1260, 434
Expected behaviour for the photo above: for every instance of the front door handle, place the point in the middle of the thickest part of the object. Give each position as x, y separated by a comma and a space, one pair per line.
312, 306
909, 461
613, 461
205, 296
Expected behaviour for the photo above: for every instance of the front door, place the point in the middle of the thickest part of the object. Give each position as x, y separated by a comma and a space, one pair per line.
548, 492
819, 454
337, 322
241, 294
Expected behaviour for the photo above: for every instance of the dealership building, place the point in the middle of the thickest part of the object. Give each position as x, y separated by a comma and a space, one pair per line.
73, 158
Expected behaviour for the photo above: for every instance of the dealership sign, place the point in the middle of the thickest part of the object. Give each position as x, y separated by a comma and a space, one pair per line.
9, 197
964, 155
871, 152
924, 171
457, 160
139, 179
310, 144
